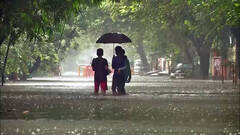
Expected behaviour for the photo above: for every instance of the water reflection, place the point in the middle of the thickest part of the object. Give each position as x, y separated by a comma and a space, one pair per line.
152, 107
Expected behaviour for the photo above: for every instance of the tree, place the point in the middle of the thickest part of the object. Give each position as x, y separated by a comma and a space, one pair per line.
199, 21
196, 23
36, 19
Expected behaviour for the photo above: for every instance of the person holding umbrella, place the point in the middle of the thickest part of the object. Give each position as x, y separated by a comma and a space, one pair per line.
118, 61
126, 69
119, 76
127, 72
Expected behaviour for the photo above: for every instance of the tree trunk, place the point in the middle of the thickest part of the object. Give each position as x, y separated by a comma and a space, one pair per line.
35, 65
1, 58
204, 55
5, 62
203, 51
236, 33
142, 54
1, 40
238, 55
188, 55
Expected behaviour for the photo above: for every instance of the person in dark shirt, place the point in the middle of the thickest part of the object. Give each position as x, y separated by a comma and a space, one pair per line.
118, 81
126, 70
100, 66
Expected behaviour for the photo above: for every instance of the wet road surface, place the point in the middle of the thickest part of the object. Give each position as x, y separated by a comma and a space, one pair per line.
155, 105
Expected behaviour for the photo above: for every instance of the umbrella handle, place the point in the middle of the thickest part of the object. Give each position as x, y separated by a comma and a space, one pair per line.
113, 49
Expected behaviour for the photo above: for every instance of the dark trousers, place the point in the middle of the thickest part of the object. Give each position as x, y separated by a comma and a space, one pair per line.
118, 84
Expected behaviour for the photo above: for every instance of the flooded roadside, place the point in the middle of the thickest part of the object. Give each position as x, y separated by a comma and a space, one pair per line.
148, 109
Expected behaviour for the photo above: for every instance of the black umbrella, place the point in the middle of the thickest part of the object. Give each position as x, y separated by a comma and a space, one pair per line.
113, 38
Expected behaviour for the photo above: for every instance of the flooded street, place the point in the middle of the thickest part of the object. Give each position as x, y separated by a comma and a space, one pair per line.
153, 106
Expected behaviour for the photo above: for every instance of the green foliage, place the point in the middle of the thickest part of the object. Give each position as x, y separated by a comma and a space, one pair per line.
164, 28
35, 22
40, 18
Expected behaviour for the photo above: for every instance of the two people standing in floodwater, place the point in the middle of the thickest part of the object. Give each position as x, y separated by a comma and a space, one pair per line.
122, 72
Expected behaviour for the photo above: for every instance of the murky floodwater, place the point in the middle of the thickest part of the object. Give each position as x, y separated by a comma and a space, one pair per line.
155, 105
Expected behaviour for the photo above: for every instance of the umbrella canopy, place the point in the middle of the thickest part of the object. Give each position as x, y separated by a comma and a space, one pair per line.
113, 38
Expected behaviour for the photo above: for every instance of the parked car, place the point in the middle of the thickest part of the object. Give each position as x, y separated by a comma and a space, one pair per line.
182, 70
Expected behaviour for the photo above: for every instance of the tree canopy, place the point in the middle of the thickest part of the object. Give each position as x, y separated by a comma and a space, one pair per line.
38, 31
36, 20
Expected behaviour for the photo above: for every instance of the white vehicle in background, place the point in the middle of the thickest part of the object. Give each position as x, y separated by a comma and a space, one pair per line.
138, 67
182, 70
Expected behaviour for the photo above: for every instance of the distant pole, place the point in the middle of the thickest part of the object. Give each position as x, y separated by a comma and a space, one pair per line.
222, 74
233, 73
